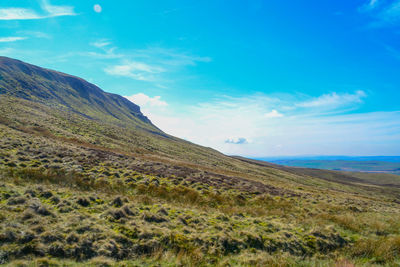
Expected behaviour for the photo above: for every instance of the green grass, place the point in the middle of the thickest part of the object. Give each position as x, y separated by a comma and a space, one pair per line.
78, 192
378, 178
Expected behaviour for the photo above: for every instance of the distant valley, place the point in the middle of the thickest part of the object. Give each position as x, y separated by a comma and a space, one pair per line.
379, 164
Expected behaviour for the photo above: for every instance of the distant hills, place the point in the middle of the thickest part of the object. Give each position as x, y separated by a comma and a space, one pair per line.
377, 164
346, 158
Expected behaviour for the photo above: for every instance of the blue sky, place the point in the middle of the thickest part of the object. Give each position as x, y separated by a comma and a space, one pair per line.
255, 78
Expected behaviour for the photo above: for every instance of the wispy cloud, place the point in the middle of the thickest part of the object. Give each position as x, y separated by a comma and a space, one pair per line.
101, 43
383, 13
48, 11
226, 122
11, 39
370, 5
391, 13
8, 51
35, 34
135, 70
56, 11
173, 57
334, 100
18, 14
373, 3
107, 50
145, 64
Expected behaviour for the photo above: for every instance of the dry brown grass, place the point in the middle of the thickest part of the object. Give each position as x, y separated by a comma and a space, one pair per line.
381, 249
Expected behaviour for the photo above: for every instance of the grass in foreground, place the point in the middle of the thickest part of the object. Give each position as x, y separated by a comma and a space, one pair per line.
60, 219
76, 192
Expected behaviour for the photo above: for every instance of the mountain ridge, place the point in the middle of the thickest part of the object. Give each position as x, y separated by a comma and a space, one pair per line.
50, 87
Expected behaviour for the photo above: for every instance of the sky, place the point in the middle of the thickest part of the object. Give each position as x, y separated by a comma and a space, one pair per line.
253, 78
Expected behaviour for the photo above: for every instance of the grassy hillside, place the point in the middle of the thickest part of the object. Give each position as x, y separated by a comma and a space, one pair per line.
78, 191
68, 93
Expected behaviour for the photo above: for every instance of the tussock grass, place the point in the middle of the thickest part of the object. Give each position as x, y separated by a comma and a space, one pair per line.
178, 194
78, 192
381, 249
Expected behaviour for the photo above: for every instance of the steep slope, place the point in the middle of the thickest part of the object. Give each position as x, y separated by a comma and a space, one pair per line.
85, 180
67, 92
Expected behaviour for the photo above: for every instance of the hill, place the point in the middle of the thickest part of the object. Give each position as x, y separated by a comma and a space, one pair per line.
86, 179
66, 92
358, 165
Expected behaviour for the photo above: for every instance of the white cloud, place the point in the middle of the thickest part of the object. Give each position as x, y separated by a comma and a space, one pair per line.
146, 64
11, 39
57, 11
273, 114
135, 70
18, 14
222, 122
146, 101
30, 14
101, 43
108, 50
334, 100
236, 141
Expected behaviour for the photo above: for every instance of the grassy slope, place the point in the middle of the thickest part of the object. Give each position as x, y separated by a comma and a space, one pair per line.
62, 175
68, 93
390, 180
386, 181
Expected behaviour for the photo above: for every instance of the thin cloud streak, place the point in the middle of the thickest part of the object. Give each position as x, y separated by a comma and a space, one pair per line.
383, 13
334, 100
35, 34
50, 11
11, 39
144, 64
135, 70
100, 44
